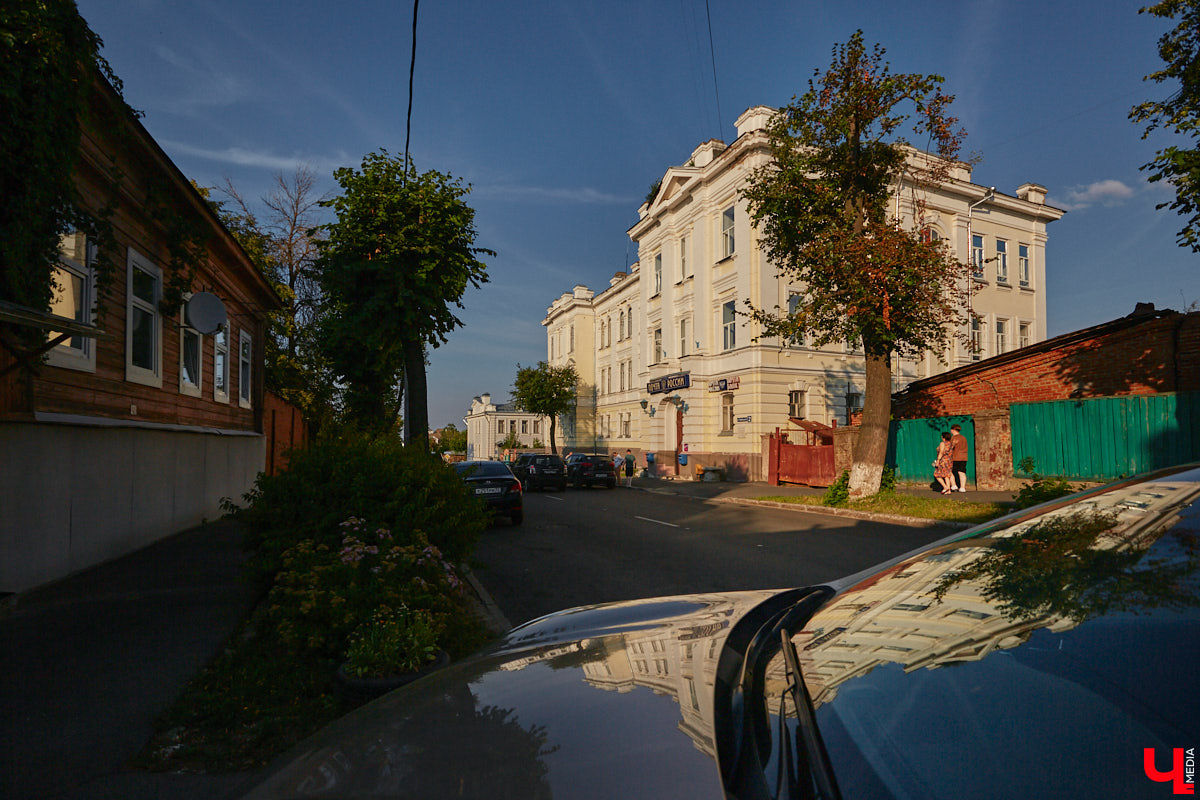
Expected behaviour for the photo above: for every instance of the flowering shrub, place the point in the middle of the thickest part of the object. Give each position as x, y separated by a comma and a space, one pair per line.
321, 594
392, 642
344, 473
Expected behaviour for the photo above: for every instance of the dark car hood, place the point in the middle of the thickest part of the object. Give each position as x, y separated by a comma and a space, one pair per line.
602, 701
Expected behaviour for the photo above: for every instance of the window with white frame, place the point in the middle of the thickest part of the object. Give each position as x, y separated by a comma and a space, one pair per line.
245, 369
685, 268
500, 426
191, 348
727, 413
1023, 264
608, 331
73, 299
621, 330
571, 345
536, 427
626, 424
629, 321
1001, 336
143, 322
727, 241
221, 366
1001, 261
728, 326
683, 337
524, 426
793, 307
977, 255
797, 403
976, 339
658, 274
658, 348
1024, 334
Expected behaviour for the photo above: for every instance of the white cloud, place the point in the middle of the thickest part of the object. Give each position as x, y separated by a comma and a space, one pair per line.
538, 194
243, 157
1108, 192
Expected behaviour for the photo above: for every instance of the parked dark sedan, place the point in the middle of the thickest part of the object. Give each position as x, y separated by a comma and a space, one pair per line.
1051, 653
539, 470
591, 469
494, 483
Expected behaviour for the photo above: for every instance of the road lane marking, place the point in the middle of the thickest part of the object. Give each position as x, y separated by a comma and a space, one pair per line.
552, 497
658, 522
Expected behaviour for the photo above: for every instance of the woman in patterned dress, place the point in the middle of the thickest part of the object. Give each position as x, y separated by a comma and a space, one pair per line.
943, 466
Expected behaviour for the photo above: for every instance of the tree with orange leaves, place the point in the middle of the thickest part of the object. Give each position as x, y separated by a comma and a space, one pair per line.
821, 210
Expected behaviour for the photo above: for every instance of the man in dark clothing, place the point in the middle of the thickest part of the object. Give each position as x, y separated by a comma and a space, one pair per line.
959, 455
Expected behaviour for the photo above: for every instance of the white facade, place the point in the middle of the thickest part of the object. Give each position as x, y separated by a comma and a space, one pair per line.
698, 259
488, 424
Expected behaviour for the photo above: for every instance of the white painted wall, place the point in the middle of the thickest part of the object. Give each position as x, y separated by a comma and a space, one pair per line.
74, 496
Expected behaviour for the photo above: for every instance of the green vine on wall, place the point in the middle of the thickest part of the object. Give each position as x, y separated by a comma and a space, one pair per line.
49, 59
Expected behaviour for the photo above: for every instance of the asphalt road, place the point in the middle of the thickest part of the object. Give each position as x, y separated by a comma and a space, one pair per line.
585, 546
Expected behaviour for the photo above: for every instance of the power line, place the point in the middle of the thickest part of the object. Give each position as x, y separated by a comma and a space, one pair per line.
713, 53
412, 67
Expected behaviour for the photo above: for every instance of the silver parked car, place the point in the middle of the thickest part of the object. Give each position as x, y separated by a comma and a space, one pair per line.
1051, 653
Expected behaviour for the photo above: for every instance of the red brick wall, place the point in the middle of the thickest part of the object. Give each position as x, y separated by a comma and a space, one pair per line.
1157, 353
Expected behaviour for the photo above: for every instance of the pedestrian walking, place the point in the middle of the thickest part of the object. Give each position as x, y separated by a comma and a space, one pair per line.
943, 465
618, 462
629, 465
958, 455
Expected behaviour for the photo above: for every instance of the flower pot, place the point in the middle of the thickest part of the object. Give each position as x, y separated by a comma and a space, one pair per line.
356, 691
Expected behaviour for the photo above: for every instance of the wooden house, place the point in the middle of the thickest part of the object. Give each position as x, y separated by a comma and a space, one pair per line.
141, 416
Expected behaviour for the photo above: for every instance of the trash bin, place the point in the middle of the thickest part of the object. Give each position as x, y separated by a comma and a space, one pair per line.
649, 458
683, 459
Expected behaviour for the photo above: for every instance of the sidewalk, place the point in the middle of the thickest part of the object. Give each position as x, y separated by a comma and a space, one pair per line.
88, 663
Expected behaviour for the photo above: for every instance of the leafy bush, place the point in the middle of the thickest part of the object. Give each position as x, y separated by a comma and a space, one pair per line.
887, 483
392, 642
347, 473
1040, 488
838, 494
321, 595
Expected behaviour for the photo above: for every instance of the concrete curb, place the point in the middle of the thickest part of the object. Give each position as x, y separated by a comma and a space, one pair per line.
491, 614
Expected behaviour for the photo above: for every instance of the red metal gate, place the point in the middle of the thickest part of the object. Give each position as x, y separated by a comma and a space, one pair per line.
810, 464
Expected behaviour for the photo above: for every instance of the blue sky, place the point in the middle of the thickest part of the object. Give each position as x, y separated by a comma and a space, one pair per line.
561, 114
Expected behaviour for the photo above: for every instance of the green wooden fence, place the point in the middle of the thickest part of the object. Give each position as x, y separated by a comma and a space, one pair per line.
1107, 437
912, 446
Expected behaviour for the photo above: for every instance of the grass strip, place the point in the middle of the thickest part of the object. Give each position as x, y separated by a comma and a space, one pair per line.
938, 508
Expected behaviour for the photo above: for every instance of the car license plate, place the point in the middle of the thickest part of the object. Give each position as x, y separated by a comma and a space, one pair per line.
490, 490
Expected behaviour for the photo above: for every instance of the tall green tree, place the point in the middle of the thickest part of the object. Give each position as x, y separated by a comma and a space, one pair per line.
821, 210
396, 261
1178, 164
452, 440
546, 390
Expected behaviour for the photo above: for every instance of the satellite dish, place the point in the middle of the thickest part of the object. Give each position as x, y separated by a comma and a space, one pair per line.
205, 312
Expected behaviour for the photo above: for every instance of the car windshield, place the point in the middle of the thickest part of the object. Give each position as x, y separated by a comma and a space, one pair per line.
482, 469
1053, 643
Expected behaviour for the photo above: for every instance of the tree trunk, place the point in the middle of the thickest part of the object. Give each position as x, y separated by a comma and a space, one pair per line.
553, 449
416, 400
871, 449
